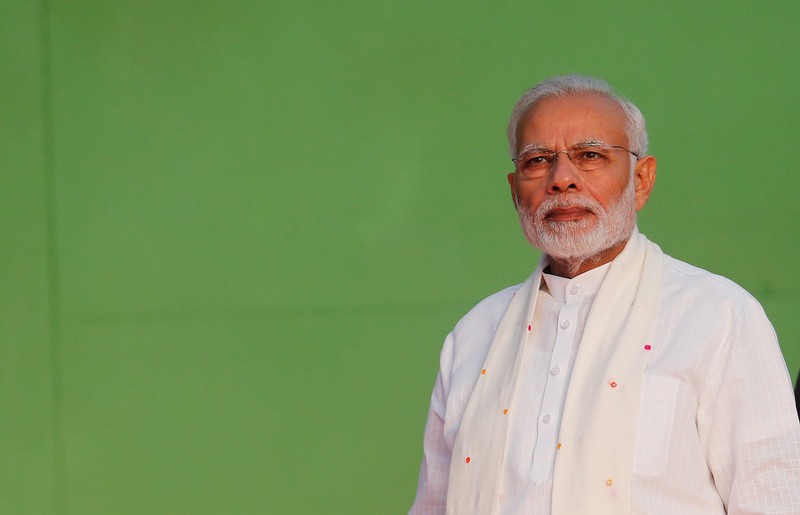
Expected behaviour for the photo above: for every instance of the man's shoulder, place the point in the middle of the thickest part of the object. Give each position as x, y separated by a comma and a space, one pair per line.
488, 311
472, 336
681, 278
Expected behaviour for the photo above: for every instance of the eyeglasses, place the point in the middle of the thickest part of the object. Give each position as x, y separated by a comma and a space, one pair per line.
538, 162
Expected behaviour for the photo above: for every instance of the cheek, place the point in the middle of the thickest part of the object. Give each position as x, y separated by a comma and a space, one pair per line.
608, 193
529, 196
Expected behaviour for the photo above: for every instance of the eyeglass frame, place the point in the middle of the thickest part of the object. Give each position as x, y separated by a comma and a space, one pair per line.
577, 148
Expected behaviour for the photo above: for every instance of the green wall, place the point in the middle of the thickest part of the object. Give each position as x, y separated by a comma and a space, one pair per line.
233, 235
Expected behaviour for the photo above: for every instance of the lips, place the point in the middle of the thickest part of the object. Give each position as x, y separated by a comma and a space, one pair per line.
567, 214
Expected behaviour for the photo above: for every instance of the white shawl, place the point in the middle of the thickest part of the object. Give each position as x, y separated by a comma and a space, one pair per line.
593, 467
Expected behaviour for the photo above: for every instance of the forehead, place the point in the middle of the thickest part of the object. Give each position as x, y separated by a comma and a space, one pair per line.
564, 121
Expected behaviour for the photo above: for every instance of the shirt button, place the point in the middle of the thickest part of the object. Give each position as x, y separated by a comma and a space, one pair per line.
546, 419
574, 290
565, 324
554, 371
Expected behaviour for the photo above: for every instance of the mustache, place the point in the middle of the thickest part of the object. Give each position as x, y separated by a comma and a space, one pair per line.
564, 201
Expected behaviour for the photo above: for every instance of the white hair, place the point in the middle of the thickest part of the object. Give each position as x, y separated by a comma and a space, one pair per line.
570, 84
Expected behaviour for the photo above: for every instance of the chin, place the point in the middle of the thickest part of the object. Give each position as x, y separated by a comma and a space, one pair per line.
568, 229
574, 241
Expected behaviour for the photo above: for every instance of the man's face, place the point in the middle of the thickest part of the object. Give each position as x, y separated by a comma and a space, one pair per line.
569, 213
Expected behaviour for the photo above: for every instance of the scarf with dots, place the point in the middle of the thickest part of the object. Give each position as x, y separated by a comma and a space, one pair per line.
593, 468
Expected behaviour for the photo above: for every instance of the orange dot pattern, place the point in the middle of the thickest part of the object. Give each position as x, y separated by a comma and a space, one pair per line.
612, 383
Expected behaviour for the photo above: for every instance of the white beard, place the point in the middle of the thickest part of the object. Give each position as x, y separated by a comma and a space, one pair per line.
578, 241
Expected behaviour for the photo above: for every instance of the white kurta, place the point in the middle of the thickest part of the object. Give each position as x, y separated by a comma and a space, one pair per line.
717, 426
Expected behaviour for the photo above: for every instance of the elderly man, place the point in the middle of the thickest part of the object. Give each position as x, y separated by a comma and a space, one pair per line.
616, 379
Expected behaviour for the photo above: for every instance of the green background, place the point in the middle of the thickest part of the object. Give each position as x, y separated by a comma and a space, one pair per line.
233, 235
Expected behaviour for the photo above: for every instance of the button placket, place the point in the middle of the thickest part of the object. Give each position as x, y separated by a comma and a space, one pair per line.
548, 424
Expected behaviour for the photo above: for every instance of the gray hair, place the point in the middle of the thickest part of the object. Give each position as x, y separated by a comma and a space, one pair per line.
569, 84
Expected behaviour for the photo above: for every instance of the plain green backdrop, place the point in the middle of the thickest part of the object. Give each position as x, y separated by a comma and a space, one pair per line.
233, 235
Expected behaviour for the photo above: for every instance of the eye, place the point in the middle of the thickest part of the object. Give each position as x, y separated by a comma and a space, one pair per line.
537, 160
591, 155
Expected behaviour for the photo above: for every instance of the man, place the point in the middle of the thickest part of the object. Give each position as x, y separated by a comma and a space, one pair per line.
615, 380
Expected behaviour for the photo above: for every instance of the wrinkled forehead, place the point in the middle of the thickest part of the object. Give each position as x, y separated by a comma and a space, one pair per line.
563, 122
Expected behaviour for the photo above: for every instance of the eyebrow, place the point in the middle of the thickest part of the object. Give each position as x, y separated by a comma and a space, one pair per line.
589, 143
534, 147
538, 147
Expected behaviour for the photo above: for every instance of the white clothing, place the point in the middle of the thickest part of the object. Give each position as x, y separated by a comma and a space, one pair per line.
717, 430
594, 452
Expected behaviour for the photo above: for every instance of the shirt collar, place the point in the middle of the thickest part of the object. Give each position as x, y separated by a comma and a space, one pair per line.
564, 290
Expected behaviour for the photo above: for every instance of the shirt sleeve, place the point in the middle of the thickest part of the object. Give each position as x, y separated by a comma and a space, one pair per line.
434, 472
753, 434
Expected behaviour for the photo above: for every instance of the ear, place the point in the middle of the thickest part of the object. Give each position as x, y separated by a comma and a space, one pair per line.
644, 175
510, 178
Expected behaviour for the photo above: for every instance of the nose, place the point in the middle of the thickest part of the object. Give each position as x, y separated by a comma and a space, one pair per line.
564, 175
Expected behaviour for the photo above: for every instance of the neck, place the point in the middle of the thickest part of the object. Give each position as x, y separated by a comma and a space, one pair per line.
573, 267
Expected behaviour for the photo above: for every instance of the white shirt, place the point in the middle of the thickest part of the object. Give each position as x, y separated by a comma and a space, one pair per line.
717, 427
